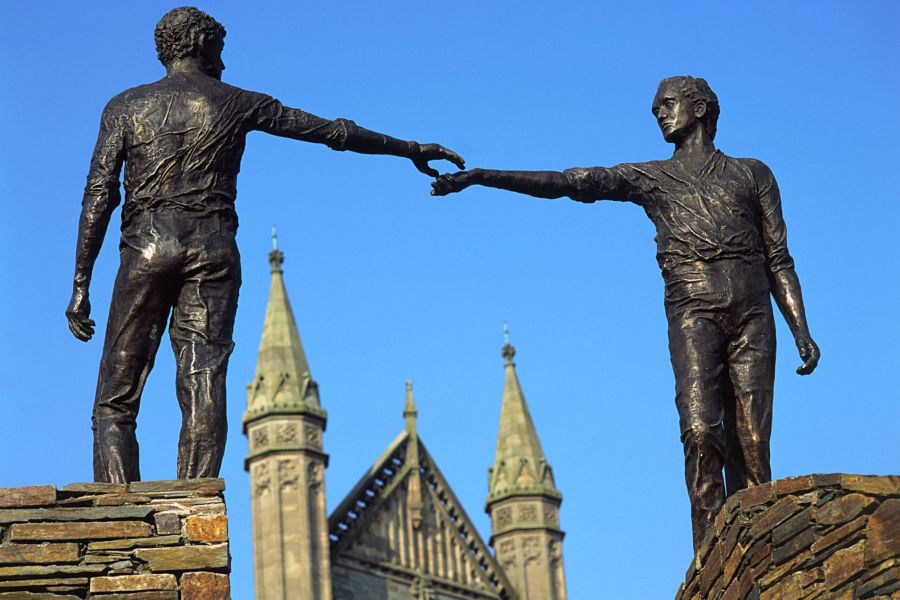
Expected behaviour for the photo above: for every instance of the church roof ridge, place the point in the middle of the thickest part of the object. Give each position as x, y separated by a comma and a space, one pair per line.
406, 467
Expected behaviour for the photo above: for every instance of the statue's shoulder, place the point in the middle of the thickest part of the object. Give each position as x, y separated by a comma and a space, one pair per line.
129, 97
145, 100
170, 85
646, 168
744, 160
662, 163
650, 165
755, 167
222, 94
226, 88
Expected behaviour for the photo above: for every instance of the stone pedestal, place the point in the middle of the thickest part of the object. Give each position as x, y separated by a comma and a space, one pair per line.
151, 540
815, 536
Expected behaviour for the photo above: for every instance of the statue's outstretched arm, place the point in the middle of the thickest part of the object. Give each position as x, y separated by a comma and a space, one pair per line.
622, 182
366, 141
542, 184
344, 134
101, 196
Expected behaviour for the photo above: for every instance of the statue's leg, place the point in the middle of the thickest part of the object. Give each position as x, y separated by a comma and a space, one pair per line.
201, 335
697, 349
752, 371
137, 318
735, 469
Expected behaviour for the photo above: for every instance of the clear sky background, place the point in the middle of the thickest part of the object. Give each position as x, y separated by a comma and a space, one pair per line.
389, 284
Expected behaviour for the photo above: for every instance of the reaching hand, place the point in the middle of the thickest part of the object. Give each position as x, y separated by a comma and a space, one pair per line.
450, 183
79, 315
809, 352
427, 152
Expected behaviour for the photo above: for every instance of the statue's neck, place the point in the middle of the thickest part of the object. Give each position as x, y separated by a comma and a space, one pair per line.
186, 66
694, 149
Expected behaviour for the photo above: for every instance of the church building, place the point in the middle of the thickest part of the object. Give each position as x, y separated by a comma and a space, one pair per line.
400, 533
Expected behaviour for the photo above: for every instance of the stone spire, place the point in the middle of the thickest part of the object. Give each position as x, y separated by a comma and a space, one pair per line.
414, 492
282, 382
284, 423
523, 501
520, 466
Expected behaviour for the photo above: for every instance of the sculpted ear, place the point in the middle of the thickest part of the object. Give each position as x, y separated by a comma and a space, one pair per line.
699, 109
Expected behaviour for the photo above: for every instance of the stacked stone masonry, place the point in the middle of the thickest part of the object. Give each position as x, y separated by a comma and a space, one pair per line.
833, 537
152, 540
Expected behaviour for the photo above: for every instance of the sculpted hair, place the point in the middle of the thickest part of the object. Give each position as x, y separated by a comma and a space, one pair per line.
696, 90
180, 31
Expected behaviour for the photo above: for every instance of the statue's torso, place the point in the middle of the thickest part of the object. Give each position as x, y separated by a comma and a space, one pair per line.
719, 228
705, 215
184, 138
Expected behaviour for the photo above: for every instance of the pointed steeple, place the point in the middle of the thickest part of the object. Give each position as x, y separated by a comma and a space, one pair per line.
520, 467
282, 382
523, 501
284, 424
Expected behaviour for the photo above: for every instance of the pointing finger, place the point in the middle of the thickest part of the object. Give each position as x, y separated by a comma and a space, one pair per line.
456, 159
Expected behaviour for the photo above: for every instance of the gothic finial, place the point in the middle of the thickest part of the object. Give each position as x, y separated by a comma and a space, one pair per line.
414, 491
276, 256
409, 409
509, 352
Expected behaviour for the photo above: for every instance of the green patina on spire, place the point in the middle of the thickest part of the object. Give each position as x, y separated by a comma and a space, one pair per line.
282, 383
520, 467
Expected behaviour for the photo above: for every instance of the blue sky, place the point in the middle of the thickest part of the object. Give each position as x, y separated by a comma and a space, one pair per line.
389, 284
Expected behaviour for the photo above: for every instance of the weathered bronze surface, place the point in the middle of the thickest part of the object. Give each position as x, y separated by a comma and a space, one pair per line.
722, 249
181, 140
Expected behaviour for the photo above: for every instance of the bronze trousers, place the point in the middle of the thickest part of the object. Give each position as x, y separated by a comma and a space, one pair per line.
722, 346
184, 268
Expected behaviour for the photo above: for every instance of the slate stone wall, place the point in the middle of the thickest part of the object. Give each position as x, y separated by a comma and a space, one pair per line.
832, 537
152, 540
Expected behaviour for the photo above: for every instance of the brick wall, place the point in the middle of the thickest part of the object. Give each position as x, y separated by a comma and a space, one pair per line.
817, 536
153, 540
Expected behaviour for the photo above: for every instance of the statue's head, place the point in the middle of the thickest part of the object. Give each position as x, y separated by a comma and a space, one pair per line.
682, 102
187, 32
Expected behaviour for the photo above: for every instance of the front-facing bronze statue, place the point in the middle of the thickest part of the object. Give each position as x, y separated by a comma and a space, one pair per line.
722, 249
181, 140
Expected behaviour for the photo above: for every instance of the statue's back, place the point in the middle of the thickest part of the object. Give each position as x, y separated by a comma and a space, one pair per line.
183, 140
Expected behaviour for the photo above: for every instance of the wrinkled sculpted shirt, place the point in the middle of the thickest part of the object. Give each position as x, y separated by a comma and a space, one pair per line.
729, 209
182, 139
